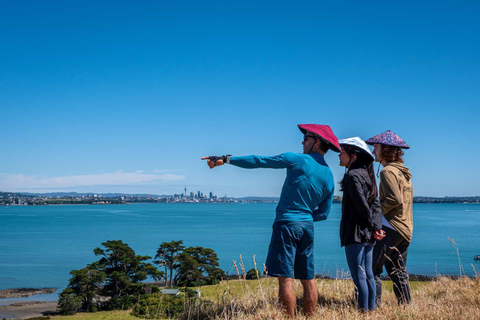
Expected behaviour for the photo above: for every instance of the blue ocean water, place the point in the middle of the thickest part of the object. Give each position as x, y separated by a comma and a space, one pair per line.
39, 245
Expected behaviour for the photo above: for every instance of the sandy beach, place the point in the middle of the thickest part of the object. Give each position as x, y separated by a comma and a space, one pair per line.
23, 309
29, 309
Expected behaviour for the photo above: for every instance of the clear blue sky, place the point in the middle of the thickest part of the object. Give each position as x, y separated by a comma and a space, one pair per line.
126, 96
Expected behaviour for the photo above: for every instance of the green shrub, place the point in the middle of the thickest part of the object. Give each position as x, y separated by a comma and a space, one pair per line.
159, 305
69, 303
253, 274
215, 275
190, 293
121, 303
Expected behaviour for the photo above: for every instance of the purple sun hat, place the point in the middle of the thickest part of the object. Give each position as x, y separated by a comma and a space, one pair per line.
388, 138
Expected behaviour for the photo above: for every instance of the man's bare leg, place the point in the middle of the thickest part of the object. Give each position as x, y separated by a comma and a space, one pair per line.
310, 297
286, 295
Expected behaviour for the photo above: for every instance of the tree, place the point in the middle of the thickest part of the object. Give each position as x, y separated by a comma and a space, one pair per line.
167, 255
215, 275
198, 265
207, 258
253, 274
189, 272
123, 268
69, 303
85, 285
118, 275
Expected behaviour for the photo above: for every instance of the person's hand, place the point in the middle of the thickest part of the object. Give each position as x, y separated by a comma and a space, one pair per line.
213, 161
379, 235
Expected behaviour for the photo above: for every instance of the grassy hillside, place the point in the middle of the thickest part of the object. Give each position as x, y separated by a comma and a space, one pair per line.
240, 299
102, 315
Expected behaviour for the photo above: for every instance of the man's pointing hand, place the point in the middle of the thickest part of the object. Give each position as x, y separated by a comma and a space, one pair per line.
214, 161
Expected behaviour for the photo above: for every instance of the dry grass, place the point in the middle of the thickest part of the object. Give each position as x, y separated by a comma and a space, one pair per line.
441, 299
257, 299
101, 315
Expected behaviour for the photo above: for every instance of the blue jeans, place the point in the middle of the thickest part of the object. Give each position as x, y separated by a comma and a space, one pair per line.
360, 259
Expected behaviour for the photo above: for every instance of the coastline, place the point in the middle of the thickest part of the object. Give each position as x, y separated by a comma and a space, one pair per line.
16, 303
23, 310
24, 292
179, 202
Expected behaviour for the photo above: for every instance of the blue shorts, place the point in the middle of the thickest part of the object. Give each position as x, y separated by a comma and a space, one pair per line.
290, 253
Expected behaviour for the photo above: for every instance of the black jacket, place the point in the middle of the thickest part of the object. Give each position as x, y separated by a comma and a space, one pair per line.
360, 218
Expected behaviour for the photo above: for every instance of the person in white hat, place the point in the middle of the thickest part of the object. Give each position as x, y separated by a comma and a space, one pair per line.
361, 222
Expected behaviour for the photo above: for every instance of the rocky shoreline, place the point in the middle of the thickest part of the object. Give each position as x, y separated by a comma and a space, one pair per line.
16, 305
24, 292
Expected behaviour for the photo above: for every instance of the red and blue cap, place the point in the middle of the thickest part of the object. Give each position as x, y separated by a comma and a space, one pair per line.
388, 138
324, 132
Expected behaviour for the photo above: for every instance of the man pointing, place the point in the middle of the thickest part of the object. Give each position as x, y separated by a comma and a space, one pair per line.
306, 197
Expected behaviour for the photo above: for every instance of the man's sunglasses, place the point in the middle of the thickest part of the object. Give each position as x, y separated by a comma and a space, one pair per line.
306, 136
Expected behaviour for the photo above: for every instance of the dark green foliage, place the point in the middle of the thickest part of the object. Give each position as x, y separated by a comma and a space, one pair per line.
118, 275
253, 274
192, 266
167, 255
215, 275
158, 306
189, 273
115, 281
85, 285
69, 302
189, 293
194, 263
121, 303
123, 268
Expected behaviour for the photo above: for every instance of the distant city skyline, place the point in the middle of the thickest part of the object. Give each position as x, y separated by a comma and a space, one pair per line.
126, 97
18, 199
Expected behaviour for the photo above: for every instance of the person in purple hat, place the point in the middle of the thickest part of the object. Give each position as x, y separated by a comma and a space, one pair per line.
306, 197
396, 194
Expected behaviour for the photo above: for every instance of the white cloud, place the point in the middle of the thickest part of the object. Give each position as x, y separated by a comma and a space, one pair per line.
16, 182
160, 171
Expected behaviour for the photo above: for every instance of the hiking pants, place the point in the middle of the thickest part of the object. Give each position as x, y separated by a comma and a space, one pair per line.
391, 252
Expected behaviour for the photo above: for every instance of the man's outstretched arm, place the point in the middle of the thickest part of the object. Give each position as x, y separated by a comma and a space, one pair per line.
250, 162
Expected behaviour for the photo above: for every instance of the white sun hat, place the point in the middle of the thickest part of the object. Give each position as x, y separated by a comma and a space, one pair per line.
358, 144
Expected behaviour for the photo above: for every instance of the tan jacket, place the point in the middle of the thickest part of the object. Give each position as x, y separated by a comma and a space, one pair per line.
396, 195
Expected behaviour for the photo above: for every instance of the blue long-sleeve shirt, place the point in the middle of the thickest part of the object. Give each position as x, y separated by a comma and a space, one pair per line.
307, 193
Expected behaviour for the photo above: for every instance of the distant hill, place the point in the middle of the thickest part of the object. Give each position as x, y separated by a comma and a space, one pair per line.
15, 195
422, 199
